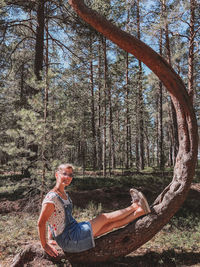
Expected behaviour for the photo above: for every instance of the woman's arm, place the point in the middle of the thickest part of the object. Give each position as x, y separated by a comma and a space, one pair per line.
46, 212
50, 236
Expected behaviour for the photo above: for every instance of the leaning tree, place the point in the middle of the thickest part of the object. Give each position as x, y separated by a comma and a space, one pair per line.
127, 239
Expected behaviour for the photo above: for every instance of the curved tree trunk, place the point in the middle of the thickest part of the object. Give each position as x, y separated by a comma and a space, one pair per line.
125, 240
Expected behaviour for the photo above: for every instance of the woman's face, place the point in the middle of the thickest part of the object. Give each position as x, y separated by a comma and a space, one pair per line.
65, 176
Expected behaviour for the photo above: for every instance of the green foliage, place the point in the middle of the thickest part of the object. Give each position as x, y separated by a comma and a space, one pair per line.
30, 142
31, 128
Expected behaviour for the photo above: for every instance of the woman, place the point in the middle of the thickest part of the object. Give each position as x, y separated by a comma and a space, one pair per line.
70, 235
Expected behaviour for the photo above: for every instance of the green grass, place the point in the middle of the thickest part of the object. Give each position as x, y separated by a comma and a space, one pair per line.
180, 234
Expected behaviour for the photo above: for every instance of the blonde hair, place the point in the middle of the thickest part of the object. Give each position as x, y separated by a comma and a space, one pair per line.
64, 166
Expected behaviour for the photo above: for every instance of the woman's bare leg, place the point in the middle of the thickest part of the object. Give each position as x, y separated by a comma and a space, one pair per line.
119, 223
105, 218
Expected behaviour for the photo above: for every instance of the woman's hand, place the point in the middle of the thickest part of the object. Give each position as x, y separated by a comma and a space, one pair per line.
50, 250
52, 242
47, 210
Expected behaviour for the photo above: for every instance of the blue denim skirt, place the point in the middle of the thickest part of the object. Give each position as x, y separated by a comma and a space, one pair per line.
76, 237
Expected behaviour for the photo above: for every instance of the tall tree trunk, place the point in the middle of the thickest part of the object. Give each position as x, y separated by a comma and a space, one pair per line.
128, 141
46, 92
128, 121
153, 153
157, 129
94, 158
99, 135
83, 152
39, 46
140, 95
111, 133
137, 159
168, 50
38, 63
170, 147
105, 106
191, 51
170, 136
160, 113
147, 147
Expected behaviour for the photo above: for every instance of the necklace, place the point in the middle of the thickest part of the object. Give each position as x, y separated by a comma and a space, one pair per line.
64, 195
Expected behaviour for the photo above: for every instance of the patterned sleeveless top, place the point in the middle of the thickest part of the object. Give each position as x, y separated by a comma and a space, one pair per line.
57, 218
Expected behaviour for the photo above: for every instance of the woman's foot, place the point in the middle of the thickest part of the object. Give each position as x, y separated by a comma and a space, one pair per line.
140, 199
134, 195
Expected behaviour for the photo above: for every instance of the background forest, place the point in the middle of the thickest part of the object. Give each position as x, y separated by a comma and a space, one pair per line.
70, 95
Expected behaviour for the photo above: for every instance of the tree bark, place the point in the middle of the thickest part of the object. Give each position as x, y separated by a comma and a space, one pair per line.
137, 160
99, 136
128, 127
39, 46
147, 146
140, 97
94, 158
111, 133
45, 103
105, 107
38, 64
168, 51
128, 123
160, 114
191, 50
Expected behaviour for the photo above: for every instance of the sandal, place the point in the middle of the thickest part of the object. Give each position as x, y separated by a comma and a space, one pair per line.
138, 197
134, 195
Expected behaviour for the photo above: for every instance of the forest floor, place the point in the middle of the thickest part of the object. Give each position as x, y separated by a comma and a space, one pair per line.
177, 244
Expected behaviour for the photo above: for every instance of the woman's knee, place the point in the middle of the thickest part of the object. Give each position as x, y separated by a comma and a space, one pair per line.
104, 218
100, 220
139, 212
